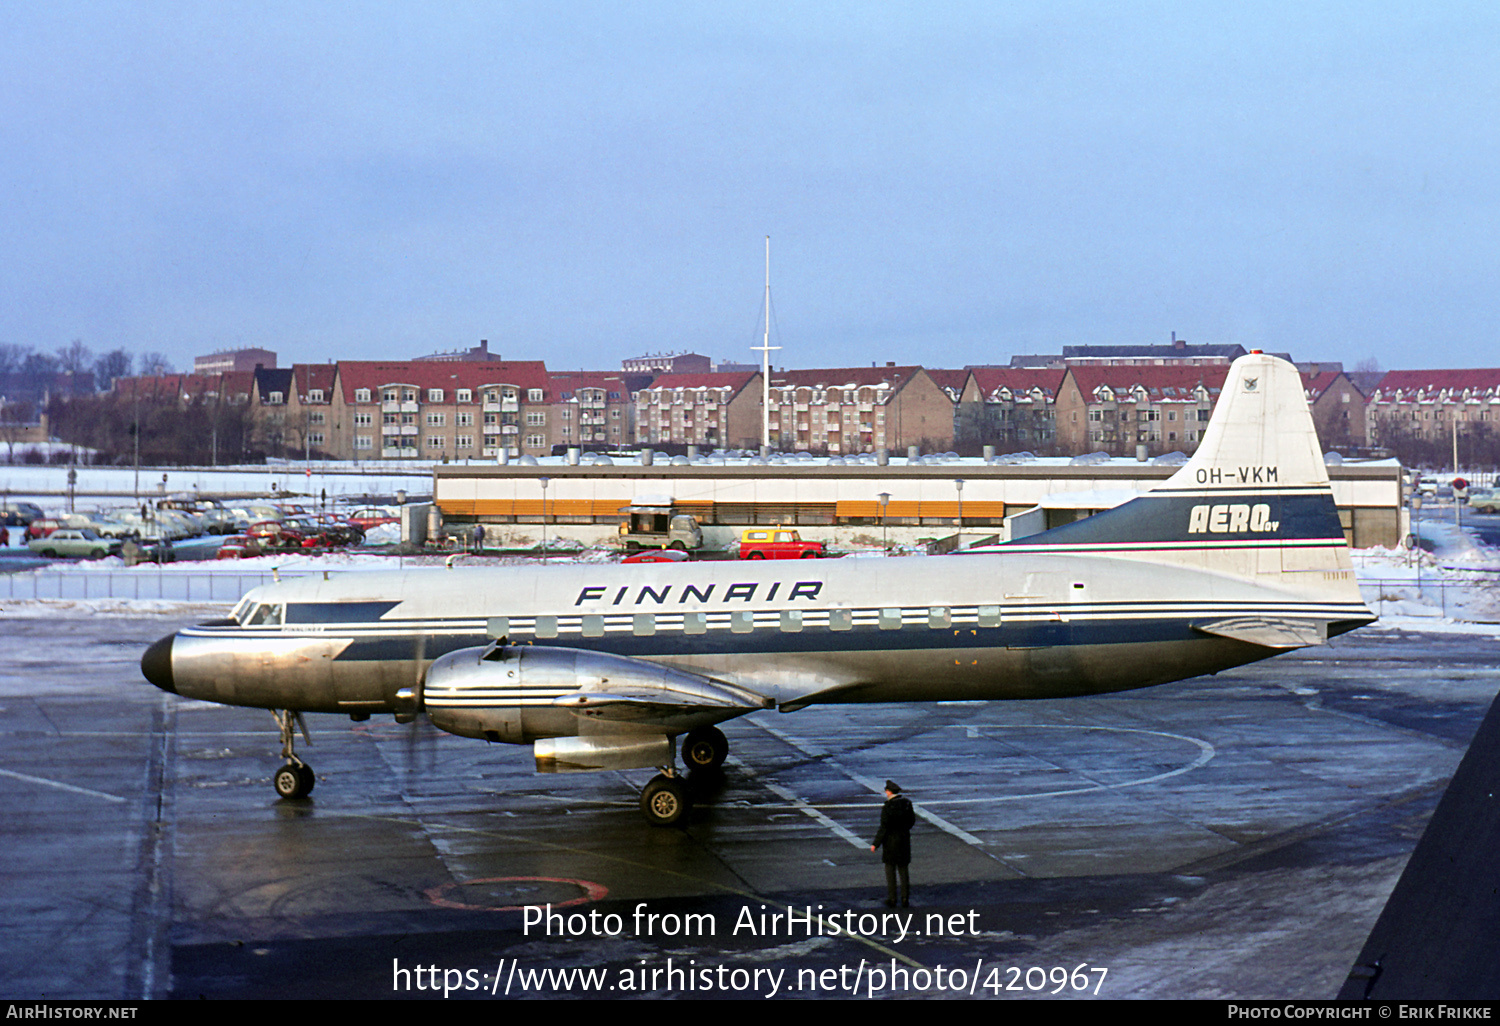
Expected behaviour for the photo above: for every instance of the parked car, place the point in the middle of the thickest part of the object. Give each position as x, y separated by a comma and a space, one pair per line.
19, 514
777, 543
40, 527
1484, 500
98, 523
74, 541
274, 536
658, 556
373, 516
238, 546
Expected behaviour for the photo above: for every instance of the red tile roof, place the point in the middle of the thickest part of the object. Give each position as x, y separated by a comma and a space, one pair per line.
426, 374
735, 381
1182, 380
565, 384
844, 377
1406, 384
1018, 379
315, 375
1316, 384
950, 381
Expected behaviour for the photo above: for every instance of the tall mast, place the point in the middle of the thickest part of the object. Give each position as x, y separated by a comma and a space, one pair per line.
765, 363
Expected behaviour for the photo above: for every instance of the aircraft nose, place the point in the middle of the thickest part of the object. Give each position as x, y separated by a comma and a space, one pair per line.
156, 664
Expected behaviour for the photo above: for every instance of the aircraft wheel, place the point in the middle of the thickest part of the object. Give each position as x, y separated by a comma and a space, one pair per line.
664, 801
704, 748
308, 779
293, 781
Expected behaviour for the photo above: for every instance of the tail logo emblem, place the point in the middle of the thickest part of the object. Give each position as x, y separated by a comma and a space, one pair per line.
1231, 518
1251, 384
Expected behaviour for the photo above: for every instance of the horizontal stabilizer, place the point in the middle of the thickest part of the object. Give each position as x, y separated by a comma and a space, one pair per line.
1268, 631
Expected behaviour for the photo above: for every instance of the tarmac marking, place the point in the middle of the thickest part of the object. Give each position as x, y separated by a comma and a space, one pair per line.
807, 810
60, 785
1206, 752
654, 868
591, 891
875, 786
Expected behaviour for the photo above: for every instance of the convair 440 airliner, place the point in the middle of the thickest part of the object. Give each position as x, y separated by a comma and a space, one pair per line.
1238, 556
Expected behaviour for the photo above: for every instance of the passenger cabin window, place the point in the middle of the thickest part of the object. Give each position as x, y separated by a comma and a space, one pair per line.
989, 616
938, 618
695, 623
593, 626
890, 619
546, 626
791, 620
841, 619
644, 625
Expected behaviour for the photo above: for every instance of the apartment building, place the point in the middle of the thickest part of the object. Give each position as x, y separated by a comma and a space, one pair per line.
1013, 409
1416, 414
713, 410
1338, 409
594, 409
846, 410
1114, 409
434, 410
232, 360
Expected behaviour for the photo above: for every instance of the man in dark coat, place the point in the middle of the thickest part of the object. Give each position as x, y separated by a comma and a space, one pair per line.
896, 820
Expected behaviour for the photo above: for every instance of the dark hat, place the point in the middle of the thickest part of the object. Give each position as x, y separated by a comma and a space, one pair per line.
893, 787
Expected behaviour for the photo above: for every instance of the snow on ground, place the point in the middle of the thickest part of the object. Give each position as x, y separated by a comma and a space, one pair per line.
45, 484
77, 609
1453, 588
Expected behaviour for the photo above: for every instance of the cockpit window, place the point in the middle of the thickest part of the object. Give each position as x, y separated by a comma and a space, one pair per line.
241, 610
265, 614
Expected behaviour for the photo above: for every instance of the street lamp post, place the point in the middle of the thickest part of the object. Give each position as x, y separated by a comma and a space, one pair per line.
885, 498
545, 481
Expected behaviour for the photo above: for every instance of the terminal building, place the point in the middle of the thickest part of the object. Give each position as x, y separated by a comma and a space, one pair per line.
848, 504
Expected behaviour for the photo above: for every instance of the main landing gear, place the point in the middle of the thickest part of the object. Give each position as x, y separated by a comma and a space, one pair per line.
295, 779
667, 797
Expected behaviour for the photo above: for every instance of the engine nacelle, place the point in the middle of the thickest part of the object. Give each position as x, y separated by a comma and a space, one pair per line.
616, 752
522, 693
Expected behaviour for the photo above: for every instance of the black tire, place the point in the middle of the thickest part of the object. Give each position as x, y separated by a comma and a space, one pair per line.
97, 554
50, 553
309, 779
704, 748
756, 555
664, 801
679, 546
290, 781
809, 555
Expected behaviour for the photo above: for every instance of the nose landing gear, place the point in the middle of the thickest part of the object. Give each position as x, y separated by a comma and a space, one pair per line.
295, 779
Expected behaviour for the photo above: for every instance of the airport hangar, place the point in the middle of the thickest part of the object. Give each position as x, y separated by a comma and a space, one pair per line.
846, 504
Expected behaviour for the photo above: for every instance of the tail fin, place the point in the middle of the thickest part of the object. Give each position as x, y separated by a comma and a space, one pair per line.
1253, 501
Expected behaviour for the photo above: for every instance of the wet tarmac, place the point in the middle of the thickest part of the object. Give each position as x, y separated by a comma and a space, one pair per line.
1230, 836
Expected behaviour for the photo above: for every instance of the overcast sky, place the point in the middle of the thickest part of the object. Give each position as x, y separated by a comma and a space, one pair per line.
583, 182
